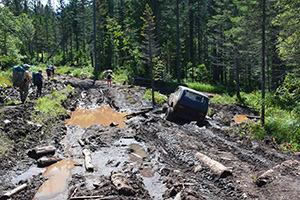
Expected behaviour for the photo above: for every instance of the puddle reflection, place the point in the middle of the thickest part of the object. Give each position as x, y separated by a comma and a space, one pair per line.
104, 115
57, 175
138, 154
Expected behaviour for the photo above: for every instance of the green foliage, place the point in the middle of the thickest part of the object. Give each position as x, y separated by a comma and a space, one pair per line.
158, 69
76, 71
11, 36
288, 94
6, 146
206, 87
5, 78
159, 98
289, 37
222, 99
80, 58
49, 107
281, 125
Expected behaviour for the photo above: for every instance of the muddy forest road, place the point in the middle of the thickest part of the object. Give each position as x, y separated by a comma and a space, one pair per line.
147, 157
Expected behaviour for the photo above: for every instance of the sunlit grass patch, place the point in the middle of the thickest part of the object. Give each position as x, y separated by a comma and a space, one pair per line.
281, 125
5, 78
50, 107
159, 98
202, 87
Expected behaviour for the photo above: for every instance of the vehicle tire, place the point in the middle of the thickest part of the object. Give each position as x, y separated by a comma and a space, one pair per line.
165, 107
170, 114
201, 123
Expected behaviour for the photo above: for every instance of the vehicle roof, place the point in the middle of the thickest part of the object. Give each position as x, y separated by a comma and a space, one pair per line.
192, 90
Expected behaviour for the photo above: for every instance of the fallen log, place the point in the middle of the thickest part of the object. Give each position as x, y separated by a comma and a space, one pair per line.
216, 167
45, 161
14, 191
81, 142
272, 173
143, 111
119, 180
39, 152
253, 117
94, 197
88, 160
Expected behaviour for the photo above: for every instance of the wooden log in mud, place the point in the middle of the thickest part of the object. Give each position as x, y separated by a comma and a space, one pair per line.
39, 152
81, 142
253, 117
14, 191
272, 173
88, 160
46, 161
216, 167
143, 111
119, 180
94, 197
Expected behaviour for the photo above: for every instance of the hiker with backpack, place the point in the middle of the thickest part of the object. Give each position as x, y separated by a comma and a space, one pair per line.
109, 75
22, 79
48, 70
52, 69
37, 79
109, 79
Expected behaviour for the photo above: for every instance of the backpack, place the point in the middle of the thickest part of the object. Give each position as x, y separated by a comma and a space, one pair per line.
108, 76
36, 78
18, 76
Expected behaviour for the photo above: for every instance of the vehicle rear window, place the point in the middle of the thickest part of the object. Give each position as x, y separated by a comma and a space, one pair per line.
194, 97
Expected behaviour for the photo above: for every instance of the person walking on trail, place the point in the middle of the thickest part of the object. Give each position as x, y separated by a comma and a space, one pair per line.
109, 79
22, 79
38, 78
48, 70
52, 69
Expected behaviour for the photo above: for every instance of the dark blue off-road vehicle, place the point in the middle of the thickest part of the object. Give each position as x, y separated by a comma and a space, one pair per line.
186, 104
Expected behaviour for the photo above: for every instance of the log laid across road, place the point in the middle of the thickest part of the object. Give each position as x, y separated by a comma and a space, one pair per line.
215, 166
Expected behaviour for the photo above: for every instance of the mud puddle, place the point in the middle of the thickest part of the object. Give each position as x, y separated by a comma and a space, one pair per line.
125, 154
104, 115
240, 118
56, 177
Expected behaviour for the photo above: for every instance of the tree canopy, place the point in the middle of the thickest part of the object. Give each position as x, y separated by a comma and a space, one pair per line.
212, 41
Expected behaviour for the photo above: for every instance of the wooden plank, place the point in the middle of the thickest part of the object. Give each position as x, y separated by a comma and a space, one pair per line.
215, 166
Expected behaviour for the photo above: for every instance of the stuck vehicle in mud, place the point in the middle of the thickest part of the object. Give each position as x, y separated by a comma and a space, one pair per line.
186, 104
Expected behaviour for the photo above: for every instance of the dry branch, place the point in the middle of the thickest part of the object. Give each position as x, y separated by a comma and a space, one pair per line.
14, 191
215, 166
253, 117
81, 142
94, 197
272, 173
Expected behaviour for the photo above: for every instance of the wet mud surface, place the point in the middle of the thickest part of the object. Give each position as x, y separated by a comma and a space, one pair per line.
142, 156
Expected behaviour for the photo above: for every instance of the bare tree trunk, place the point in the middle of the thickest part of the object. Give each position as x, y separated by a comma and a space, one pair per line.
191, 16
263, 62
178, 43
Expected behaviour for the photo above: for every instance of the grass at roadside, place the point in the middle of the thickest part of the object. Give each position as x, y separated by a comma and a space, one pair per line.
281, 124
50, 107
159, 98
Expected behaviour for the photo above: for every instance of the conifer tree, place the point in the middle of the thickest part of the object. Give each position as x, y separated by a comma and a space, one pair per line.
149, 46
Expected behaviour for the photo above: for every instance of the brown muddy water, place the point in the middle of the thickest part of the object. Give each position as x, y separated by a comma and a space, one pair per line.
124, 153
104, 115
240, 118
56, 176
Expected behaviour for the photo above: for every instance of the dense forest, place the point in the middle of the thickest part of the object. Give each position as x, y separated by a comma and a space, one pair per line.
244, 44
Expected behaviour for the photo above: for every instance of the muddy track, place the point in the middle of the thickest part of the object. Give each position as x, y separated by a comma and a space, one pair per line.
160, 159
